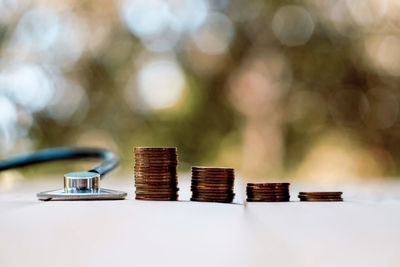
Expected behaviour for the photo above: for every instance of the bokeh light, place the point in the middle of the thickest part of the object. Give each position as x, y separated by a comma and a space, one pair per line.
71, 104
9, 9
58, 39
28, 85
8, 120
215, 35
383, 109
292, 25
367, 13
160, 24
389, 55
160, 84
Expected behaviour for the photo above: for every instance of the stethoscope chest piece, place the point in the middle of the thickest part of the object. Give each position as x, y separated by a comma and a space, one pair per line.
82, 186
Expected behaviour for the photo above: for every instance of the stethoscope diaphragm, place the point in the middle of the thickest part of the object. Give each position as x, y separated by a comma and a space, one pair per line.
82, 186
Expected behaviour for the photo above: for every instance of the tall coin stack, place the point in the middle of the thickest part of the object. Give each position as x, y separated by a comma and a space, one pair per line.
268, 192
212, 184
320, 196
155, 173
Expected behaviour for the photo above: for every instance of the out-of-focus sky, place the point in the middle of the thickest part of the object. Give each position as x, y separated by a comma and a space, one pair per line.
307, 89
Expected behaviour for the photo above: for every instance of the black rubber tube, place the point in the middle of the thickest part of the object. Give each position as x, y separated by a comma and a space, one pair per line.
110, 159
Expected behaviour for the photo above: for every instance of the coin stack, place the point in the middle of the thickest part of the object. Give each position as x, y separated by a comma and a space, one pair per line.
155, 173
212, 184
268, 192
320, 196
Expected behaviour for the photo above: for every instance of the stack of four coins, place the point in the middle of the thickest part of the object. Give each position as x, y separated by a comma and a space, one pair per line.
268, 192
320, 196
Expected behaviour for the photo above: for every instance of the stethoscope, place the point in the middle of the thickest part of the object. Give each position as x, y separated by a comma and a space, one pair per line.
77, 185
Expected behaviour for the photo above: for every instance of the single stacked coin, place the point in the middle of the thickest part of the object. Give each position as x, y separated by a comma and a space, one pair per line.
268, 192
320, 196
155, 173
212, 184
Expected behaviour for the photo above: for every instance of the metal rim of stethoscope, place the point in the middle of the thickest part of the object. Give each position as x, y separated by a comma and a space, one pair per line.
77, 185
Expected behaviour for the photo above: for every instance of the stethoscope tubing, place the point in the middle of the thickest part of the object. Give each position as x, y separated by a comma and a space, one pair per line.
110, 160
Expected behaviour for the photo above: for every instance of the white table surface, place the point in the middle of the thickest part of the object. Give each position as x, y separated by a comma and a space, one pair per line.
362, 231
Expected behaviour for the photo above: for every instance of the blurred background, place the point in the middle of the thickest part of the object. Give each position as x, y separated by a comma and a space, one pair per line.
304, 89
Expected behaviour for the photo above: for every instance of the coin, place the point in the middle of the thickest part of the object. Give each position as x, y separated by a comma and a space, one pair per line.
208, 172
158, 156
157, 175
155, 179
210, 189
156, 190
266, 200
163, 166
155, 163
172, 149
267, 190
213, 188
267, 184
172, 198
154, 170
170, 182
214, 198
161, 178
150, 162
269, 196
206, 185
171, 159
155, 153
321, 193
208, 193
152, 184
152, 175
218, 181
157, 182
212, 182
155, 194
213, 176
217, 193
149, 157
150, 168
269, 187
152, 178
318, 197
321, 199
212, 168
211, 200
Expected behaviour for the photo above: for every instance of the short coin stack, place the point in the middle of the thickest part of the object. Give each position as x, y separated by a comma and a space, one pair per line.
155, 173
320, 196
212, 184
267, 192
